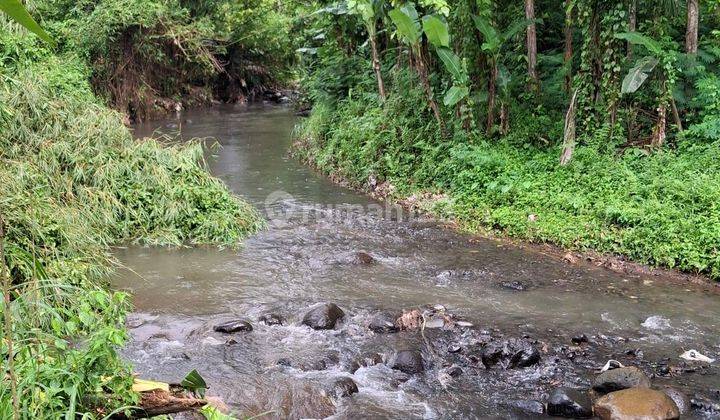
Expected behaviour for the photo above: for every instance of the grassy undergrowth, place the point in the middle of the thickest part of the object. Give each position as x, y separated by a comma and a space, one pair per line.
658, 208
73, 182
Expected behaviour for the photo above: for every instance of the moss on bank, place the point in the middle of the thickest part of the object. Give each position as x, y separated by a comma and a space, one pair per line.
73, 182
656, 208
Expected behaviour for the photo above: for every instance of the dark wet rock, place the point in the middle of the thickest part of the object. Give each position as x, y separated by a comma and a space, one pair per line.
454, 371
514, 285
679, 398
313, 365
363, 258
619, 379
580, 339
408, 361
570, 403
272, 319
323, 316
366, 360
283, 362
343, 387
233, 327
636, 403
528, 406
513, 353
383, 323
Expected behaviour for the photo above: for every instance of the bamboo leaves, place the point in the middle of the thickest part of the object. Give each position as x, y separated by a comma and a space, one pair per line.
19, 14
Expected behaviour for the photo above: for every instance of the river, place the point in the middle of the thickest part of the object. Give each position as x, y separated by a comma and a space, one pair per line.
309, 254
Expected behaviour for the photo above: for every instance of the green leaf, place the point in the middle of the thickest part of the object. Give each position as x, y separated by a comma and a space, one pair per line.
638, 74
490, 35
517, 27
503, 77
407, 26
455, 94
640, 39
453, 65
193, 382
436, 31
19, 14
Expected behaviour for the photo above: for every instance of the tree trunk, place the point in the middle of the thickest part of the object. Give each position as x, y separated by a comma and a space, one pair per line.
567, 57
491, 97
691, 35
676, 115
569, 134
376, 67
8, 324
533, 82
425, 80
504, 119
632, 25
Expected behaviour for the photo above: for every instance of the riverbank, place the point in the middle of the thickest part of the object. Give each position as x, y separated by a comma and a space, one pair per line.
74, 183
654, 209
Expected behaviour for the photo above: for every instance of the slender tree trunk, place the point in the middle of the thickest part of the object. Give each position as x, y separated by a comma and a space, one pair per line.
569, 134
376, 67
8, 323
534, 82
504, 118
659, 132
632, 25
425, 80
567, 57
676, 115
691, 35
491, 97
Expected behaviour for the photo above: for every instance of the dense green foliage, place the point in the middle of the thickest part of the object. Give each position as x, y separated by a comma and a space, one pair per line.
74, 183
631, 181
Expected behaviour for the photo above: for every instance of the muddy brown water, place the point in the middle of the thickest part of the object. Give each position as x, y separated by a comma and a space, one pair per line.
307, 256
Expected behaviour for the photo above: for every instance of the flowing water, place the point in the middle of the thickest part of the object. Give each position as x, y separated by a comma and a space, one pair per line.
309, 254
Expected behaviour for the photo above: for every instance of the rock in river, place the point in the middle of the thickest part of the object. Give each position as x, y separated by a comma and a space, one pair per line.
272, 319
383, 324
513, 353
323, 316
408, 361
570, 403
681, 400
233, 326
636, 403
343, 387
619, 379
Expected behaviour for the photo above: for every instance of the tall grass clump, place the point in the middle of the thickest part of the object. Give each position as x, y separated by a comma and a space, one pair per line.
73, 182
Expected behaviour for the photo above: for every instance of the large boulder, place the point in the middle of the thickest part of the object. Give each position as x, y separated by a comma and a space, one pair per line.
408, 361
513, 353
570, 403
230, 327
323, 316
636, 403
619, 379
681, 400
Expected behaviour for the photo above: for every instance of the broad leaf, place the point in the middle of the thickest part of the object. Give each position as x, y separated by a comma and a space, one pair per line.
455, 94
638, 74
453, 65
407, 27
640, 39
142, 385
193, 382
503, 77
19, 14
337, 9
490, 35
436, 31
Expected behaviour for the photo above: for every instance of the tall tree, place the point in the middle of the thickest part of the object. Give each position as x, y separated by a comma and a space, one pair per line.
567, 56
632, 25
531, 35
369, 10
691, 34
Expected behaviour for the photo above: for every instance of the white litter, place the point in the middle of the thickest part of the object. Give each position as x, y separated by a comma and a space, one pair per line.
611, 364
696, 356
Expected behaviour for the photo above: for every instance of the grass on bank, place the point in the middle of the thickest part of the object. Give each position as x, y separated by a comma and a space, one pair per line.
73, 182
661, 208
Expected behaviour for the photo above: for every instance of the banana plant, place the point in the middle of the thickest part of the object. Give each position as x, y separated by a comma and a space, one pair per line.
494, 40
643, 68
17, 12
409, 31
437, 32
370, 11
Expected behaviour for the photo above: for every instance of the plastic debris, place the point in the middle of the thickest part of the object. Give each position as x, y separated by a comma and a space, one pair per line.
696, 356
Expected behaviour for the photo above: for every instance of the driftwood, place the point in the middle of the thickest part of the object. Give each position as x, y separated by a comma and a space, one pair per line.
159, 402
